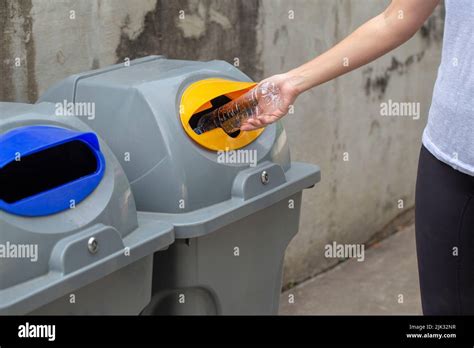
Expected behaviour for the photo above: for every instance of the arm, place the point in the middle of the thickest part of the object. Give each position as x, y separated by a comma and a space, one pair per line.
383, 33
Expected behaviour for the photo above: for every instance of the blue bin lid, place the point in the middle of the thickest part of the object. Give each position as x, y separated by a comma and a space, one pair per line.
30, 140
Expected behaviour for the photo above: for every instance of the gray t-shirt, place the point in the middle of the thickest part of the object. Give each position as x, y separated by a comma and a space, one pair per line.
449, 134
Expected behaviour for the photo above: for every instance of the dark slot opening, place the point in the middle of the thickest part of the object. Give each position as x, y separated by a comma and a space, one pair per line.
216, 102
45, 170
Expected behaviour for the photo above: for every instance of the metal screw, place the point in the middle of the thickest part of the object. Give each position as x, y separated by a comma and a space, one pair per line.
265, 178
93, 245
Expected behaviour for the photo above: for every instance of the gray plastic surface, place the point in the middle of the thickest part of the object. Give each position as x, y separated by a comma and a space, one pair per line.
131, 291
64, 264
226, 206
137, 113
208, 275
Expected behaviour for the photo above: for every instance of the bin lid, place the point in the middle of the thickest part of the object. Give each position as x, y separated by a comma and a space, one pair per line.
196, 100
70, 249
44, 168
152, 105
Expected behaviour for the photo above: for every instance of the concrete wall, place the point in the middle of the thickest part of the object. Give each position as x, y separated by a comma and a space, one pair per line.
43, 41
358, 197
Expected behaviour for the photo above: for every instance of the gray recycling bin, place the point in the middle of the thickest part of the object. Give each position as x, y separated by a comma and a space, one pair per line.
71, 241
234, 200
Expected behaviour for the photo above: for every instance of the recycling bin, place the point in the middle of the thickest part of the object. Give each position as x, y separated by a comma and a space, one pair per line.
234, 200
71, 240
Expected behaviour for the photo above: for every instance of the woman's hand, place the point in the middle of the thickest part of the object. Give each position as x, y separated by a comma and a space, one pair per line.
381, 34
270, 111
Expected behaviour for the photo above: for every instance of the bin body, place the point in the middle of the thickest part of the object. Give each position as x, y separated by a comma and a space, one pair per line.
123, 292
52, 214
232, 219
234, 270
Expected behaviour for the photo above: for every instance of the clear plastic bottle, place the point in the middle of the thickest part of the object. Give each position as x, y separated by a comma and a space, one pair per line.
264, 98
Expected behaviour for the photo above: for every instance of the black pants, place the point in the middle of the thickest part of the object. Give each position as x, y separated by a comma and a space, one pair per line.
444, 237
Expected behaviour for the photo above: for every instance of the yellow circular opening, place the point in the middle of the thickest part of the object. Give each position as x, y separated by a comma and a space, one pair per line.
197, 97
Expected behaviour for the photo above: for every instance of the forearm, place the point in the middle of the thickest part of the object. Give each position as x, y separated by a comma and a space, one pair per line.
373, 39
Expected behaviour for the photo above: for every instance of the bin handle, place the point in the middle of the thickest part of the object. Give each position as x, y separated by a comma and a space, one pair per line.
28, 140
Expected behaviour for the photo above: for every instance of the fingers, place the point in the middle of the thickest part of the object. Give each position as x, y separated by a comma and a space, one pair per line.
267, 119
252, 124
247, 127
258, 122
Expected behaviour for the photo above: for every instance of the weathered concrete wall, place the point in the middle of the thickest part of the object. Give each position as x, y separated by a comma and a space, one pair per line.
356, 198
17, 52
55, 38
360, 196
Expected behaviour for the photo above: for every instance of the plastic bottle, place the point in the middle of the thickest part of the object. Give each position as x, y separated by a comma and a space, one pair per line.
264, 98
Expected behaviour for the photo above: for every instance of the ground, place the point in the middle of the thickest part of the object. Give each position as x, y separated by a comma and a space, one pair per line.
385, 283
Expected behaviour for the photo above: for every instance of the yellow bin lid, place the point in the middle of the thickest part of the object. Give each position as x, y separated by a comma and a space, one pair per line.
197, 97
